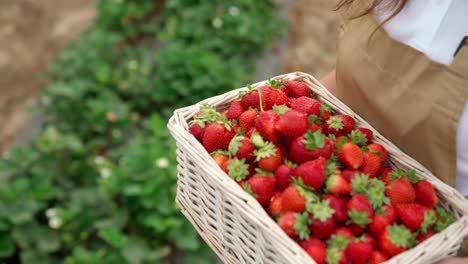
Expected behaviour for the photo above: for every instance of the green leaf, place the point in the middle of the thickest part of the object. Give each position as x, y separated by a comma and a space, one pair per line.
113, 236
7, 247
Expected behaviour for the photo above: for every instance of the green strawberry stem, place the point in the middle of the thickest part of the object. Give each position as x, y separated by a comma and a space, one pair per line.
301, 225
321, 210
238, 169
359, 218
338, 241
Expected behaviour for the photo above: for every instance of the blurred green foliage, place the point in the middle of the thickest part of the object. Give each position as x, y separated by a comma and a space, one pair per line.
98, 184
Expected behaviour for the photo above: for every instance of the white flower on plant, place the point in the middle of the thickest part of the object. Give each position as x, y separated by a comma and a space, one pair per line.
55, 222
51, 212
162, 163
217, 22
105, 173
234, 11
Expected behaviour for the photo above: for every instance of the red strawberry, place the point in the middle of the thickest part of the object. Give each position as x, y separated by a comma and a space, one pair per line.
217, 136
400, 191
351, 155
390, 212
344, 231
360, 210
368, 238
379, 150
322, 221
371, 164
311, 146
306, 105
422, 237
312, 241
337, 256
235, 110
339, 125
367, 133
284, 174
241, 148
379, 223
337, 184
359, 251
425, 193
394, 240
247, 119
272, 96
312, 173
377, 257
197, 131
317, 253
275, 208
291, 101
298, 89
292, 125
266, 125
385, 174
416, 216
219, 158
251, 99
295, 225
268, 157
261, 187
326, 111
295, 197
357, 229
349, 174
339, 205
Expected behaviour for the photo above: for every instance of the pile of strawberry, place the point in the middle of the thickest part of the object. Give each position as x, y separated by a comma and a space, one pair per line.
320, 176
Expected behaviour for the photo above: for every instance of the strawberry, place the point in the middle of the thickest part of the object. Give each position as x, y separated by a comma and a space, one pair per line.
367, 133
312, 173
291, 101
261, 187
379, 150
385, 174
295, 225
421, 237
292, 125
359, 251
220, 157
416, 217
390, 212
284, 173
241, 148
425, 193
295, 197
394, 240
326, 112
371, 164
272, 96
349, 174
250, 99
344, 231
377, 257
356, 137
266, 125
336, 184
339, 125
298, 89
306, 105
317, 253
237, 169
339, 241
338, 204
378, 224
322, 221
311, 146
400, 191
268, 157
275, 208
360, 210
368, 238
197, 131
311, 241
217, 136
351, 155
247, 119
357, 229
336, 256
235, 110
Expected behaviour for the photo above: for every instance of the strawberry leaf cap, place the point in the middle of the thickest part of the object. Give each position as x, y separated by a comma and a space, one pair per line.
276, 84
315, 119
360, 183
332, 168
335, 122
338, 241
376, 193
235, 144
301, 225
400, 236
429, 221
238, 169
321, 210
220, 152
306, 191
399, 173
257, 140
280, 110
267, 150
264, 172
290, 164
444, 219
334, 255
359, 218
326, 108
358, 138
248, 189
242, 93
314, 140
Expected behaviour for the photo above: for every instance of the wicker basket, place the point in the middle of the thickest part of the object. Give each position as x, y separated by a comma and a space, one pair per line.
236, 226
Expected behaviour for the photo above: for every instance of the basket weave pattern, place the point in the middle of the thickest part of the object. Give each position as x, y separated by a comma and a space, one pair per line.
236, 226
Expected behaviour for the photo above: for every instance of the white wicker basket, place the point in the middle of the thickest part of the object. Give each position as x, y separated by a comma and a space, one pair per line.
236, 226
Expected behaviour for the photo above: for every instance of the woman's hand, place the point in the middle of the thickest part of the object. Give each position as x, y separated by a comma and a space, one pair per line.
329, 81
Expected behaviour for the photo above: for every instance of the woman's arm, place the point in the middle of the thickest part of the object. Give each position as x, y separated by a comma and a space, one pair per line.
329, 81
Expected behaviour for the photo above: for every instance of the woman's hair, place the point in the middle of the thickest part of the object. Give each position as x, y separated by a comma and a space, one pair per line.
394, 5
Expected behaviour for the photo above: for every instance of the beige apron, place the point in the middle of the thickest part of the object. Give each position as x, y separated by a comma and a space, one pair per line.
413, 101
